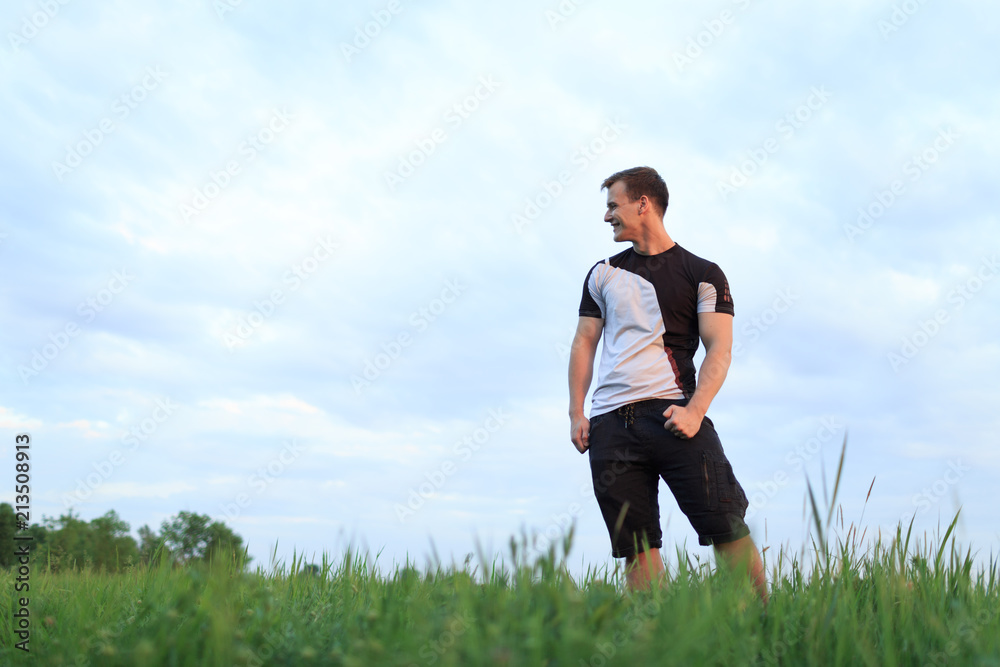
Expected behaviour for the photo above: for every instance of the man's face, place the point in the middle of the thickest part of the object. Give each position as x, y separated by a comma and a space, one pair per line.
622, 214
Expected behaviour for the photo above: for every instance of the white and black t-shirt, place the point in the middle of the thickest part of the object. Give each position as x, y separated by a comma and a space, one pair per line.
650, 306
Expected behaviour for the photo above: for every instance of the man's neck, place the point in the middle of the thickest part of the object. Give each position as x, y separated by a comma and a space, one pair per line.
654, 244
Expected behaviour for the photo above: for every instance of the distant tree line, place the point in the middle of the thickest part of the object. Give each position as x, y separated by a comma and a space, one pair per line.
105, 543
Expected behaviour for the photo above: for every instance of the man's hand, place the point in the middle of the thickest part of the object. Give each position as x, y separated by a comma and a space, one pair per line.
716, 331
581, 370
682, 421
579, 433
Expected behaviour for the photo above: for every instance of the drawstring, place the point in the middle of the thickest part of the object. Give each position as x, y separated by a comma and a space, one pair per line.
628, 412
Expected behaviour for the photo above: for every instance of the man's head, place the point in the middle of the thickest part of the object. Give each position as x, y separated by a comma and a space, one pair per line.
637, 198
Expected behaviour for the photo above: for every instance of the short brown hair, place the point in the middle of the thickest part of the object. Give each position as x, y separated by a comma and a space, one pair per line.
641, 181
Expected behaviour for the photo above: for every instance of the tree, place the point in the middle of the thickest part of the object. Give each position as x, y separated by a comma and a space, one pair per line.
194, 537
104, 543
8, 525
149, 543
112, 545
69, 542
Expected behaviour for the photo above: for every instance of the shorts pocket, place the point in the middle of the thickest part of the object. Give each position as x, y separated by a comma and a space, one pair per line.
725, 480
721, 488
709, 481
594, 421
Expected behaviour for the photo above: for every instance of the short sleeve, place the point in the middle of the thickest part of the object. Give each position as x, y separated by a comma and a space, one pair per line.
713, 292
592, 303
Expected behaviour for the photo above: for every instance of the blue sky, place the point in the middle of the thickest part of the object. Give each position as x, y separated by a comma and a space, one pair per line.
319, 283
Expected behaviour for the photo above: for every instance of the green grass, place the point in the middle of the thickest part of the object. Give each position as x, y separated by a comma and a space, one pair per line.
894, 603
894, 600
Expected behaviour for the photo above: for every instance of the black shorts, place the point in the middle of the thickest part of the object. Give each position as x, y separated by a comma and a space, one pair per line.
628, 460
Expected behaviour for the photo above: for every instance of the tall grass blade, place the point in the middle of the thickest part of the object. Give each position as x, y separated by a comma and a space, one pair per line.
816, 518
940, 553
836, 482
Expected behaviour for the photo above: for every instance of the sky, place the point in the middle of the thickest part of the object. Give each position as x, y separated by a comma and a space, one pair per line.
313, 269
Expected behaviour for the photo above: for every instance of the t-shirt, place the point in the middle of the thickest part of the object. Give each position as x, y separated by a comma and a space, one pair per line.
650, 306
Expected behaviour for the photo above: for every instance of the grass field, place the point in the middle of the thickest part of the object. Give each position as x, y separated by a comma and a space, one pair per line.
892, 603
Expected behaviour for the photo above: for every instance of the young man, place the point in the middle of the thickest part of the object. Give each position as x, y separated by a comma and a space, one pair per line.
652, 303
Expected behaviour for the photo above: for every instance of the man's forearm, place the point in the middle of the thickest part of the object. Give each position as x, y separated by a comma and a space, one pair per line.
581, 372
711, 375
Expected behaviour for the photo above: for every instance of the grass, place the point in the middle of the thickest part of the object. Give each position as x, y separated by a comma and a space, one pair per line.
893, 604
894, 600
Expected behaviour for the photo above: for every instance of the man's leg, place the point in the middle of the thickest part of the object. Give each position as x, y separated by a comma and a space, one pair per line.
641, 569
626, 489
702, 480
742, 555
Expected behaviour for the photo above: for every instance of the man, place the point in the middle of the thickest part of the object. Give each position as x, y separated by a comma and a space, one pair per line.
652, 302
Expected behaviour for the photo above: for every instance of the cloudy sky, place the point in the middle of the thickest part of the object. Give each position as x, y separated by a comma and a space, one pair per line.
313, 269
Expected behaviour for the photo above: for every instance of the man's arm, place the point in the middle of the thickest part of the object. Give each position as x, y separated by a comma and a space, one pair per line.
716, 331
581, 372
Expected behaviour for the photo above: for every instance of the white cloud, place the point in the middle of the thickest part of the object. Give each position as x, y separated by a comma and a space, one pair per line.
116, 491
496, 345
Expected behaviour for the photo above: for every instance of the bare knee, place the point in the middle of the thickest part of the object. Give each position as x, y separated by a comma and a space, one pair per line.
649, 556
736, 547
